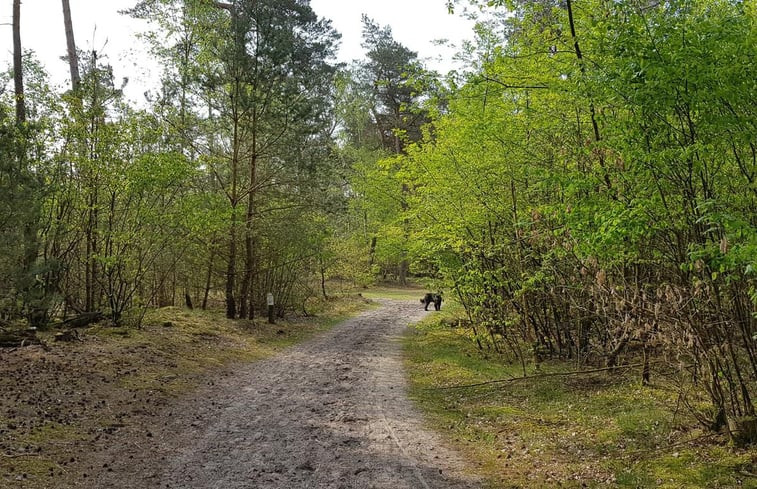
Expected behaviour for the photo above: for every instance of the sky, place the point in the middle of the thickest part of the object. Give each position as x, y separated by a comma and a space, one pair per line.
98, 25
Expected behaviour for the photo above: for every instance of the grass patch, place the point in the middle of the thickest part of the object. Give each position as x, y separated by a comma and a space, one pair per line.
394, 292
594, 430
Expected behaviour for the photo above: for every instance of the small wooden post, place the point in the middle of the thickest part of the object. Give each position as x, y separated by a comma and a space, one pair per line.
269, 301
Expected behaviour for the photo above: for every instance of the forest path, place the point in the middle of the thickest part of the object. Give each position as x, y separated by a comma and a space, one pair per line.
329, 413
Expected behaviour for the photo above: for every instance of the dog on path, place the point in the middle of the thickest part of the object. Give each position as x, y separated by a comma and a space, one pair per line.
435, 299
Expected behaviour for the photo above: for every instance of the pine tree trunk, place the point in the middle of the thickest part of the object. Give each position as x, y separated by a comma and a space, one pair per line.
37, 313
18, 65
73, 58
248, 238
231, 306
208, 279
93, 220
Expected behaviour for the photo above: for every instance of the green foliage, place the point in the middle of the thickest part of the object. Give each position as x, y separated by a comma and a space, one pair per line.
24, 164
383, 104
591, 185
348, 260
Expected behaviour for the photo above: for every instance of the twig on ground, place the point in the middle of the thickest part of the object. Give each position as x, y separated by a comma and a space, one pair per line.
540, 376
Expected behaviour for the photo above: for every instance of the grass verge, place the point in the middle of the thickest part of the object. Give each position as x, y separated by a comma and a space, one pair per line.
591, 430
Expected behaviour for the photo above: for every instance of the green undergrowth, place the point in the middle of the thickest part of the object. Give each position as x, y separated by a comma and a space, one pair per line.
588, 430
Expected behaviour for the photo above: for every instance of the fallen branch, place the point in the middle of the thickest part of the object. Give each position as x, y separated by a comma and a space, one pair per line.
83, 320
540, 376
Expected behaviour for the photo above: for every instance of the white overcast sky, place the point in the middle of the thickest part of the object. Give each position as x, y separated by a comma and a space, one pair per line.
97, 24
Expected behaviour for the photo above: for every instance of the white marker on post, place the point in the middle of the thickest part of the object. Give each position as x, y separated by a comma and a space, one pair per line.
269, 301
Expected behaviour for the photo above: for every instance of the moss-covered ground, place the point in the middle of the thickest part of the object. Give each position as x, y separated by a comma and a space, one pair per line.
597, 430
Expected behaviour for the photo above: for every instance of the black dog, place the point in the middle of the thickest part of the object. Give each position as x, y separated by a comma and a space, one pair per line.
435, 299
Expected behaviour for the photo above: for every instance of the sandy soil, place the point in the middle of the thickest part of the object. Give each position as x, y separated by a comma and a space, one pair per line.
330, 413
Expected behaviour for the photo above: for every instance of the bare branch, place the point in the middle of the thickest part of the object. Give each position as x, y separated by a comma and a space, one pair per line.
506, 85
541, 376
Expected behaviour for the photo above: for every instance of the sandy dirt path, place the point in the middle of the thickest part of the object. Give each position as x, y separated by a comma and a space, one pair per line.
330, 413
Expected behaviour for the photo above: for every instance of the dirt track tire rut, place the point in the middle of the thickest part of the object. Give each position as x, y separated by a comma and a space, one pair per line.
330, 413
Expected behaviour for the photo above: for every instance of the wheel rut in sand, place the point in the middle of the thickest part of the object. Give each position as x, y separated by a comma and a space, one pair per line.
329, 413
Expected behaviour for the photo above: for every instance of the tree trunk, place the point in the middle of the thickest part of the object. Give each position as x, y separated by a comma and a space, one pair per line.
244, 292
73, 58
231, 271
93, 220
372, 251
18, 65
612, 356
208, 279
33, 295
231, 306
247, 293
